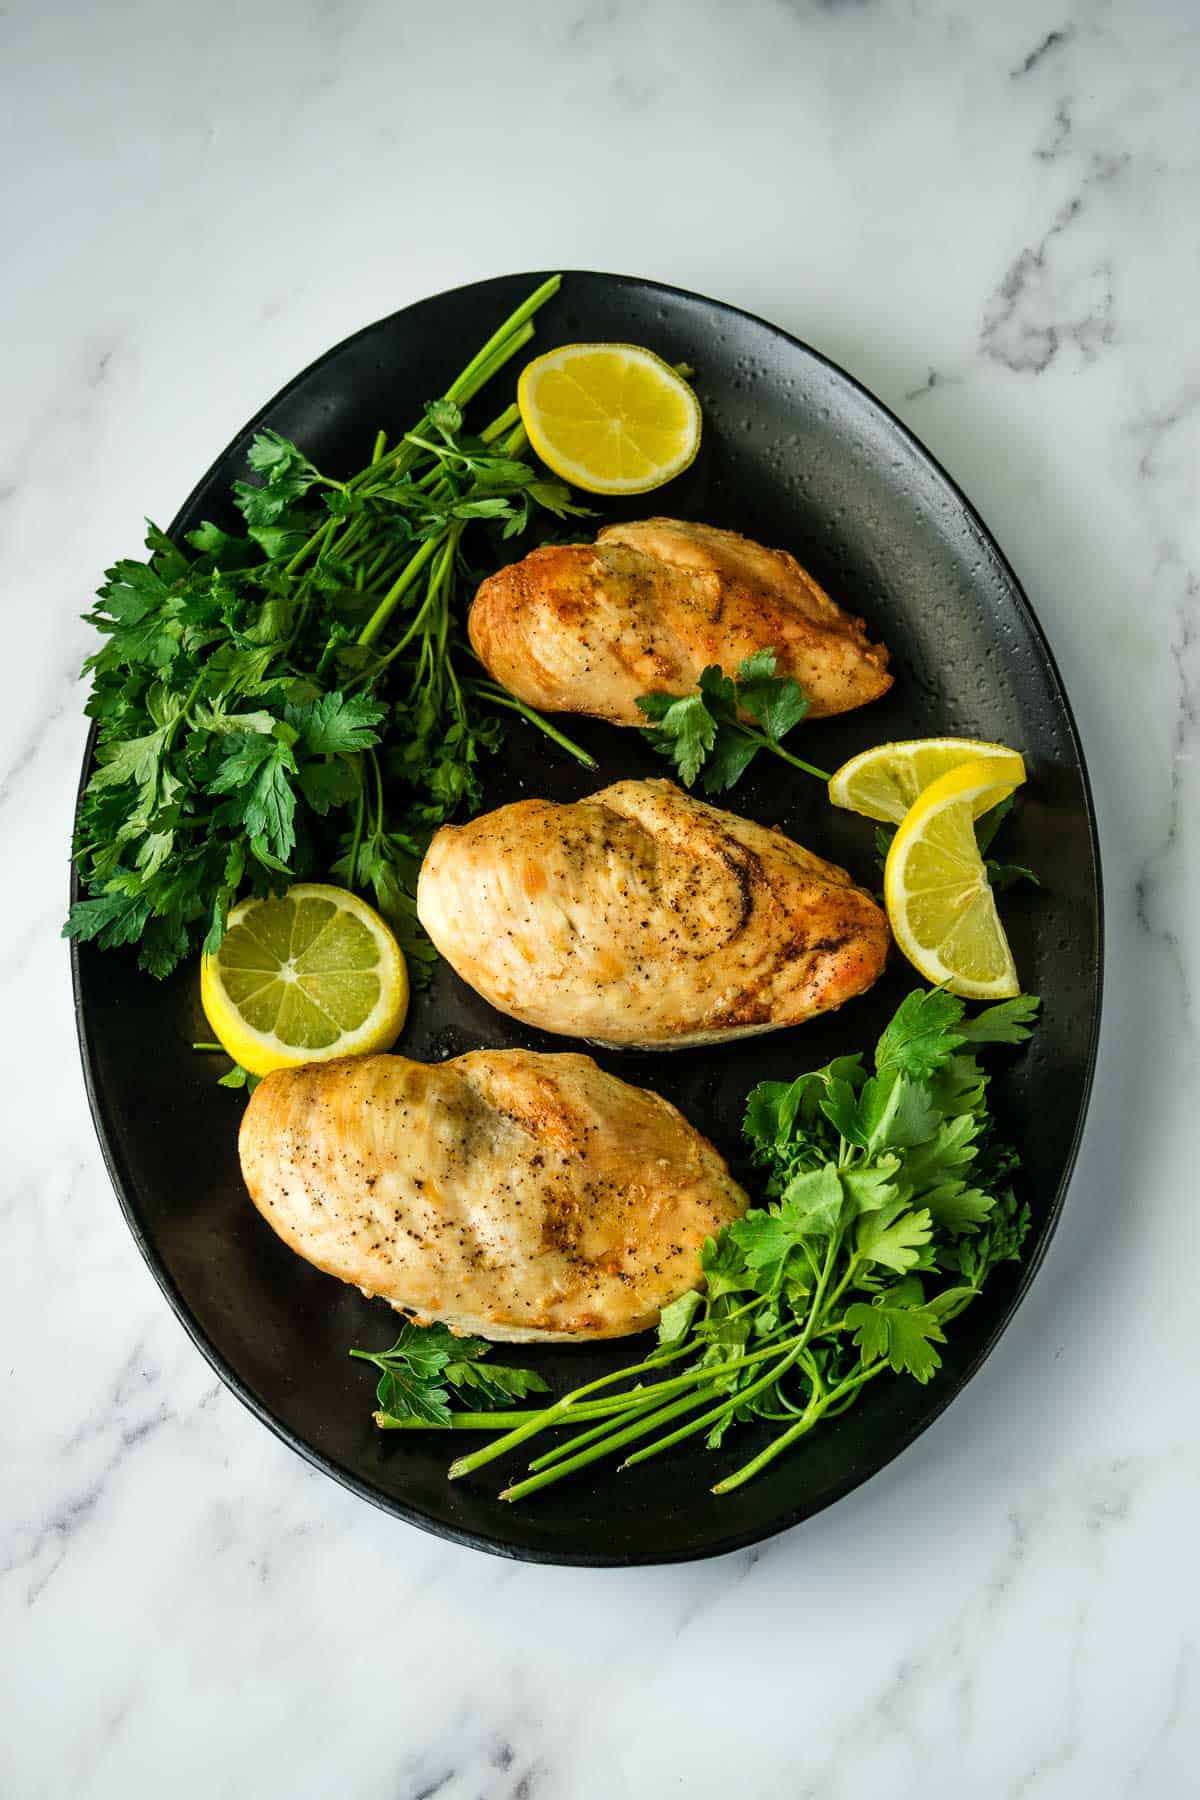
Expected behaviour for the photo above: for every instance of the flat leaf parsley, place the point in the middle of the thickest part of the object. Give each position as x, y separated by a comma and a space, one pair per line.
721, 727
291, 695
426, 1363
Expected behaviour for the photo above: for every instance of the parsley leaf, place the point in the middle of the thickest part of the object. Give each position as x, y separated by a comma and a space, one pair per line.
494, 1382
1008, 1022
675, 1320
776, 702
722, 726
256, 771
686, 726
1002, 876
337, 721
894, 1242
111, 919
987, 827
904, 1336
923, 1035
955, 1208
894, 1112
426, 1363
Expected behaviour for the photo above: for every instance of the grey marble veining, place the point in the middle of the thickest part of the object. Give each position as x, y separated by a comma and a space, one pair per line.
990, 216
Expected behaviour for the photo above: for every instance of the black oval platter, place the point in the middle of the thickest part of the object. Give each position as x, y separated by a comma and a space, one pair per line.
797, 454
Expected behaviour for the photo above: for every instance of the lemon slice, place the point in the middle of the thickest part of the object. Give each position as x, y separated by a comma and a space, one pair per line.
611, 418
303, 978
940, 905
883, 783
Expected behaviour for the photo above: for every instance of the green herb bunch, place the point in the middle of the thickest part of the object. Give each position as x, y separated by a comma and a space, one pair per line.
294, 697
888, 1202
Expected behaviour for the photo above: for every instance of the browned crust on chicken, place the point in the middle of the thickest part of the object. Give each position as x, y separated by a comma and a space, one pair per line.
509, 1194
588, 627
641, 916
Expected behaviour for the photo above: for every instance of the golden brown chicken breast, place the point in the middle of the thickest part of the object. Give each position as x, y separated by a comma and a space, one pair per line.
508, 1194
588, 627
642, 916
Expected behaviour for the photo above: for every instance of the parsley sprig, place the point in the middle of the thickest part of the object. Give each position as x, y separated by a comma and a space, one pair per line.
721, 727
887, 1202
294, 696
426, 1362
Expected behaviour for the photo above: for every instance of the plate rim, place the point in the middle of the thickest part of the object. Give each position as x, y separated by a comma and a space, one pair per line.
562, 1556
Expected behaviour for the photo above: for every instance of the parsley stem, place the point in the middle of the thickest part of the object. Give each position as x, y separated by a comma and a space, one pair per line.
649, 1401
432, 595
497, 696
503, 354
504, 343
397, 591
508, 418
717, 1414
500, 347
772, 1376
443, 452
604, 1410
309, 545
605, 1439
769, 743
459, 1421
614, 1441
805, 1423
568, 1409
463, 387
850, 1271
352, 865
380, 812
183, 712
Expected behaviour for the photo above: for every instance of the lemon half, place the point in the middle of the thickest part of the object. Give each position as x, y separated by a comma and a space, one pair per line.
312, 975
939, 901
611, 418
883, 783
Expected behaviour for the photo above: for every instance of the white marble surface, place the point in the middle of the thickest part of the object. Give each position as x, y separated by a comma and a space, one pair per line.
989, 214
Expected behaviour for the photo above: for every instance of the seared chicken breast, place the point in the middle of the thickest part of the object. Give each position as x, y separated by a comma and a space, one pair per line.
588, 627
641, 916
507, 1194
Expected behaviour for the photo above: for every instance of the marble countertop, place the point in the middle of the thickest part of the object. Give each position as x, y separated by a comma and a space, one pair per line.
989, 215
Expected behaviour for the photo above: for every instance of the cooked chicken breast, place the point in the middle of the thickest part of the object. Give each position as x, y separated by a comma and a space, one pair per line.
642, 916
511, 1195
588, 627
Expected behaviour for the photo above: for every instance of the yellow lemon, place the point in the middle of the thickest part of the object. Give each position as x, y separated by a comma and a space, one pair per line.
312, 975
939, 902
883, 783
611, 418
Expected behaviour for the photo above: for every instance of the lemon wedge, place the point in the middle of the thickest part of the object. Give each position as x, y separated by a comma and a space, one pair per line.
939, 902
611, 418
312, 975
883, 783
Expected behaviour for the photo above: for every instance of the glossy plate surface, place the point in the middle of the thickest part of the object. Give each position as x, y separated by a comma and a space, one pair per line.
796, 454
